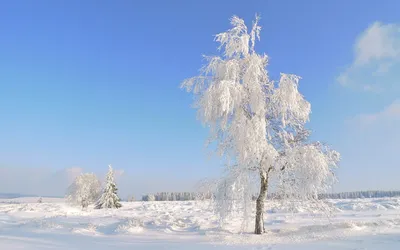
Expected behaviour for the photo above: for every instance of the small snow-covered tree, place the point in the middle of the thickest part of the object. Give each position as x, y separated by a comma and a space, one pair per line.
109, 198
148, 197
258, 126
85, 190
131, 198
151, 197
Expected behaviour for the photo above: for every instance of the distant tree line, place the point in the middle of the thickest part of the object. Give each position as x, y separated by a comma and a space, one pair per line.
176, 196
187, 196
349, 195
360, 194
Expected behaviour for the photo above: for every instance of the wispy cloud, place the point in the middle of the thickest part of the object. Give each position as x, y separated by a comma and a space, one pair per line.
389, 114
376, 62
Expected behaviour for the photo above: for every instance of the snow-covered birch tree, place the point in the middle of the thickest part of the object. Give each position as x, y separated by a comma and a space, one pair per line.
258, 125
85, 190
109, 198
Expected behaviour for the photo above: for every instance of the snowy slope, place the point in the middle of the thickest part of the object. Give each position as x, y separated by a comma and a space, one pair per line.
356, 224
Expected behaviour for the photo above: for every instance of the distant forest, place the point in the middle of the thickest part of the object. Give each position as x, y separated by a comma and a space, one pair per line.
360, 195
187, 196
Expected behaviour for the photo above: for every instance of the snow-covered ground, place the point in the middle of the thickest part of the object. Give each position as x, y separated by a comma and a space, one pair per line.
356, 224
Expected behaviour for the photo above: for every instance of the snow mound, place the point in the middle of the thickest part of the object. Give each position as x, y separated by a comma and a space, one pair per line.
131, 226
91, 229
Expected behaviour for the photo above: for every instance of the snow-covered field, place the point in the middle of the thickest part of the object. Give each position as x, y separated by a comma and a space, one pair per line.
356, 224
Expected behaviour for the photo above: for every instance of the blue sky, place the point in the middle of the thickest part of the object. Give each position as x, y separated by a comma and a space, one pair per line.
87, 83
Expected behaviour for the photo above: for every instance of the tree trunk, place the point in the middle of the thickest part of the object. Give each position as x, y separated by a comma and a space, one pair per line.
259, 229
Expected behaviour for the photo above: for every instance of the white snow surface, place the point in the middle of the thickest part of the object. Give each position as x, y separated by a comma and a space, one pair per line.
53, 224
